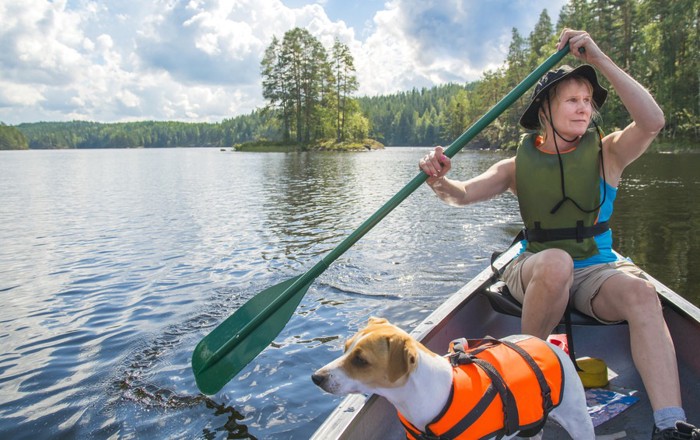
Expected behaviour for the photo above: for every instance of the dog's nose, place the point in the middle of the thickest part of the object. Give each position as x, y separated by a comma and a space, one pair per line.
318, 378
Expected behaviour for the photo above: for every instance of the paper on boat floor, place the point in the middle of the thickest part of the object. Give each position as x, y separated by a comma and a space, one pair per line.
604, 404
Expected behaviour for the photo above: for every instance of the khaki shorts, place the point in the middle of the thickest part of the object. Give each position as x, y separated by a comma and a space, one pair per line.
586, 284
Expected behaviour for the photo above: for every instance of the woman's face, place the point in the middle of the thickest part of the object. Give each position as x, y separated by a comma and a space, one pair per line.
572, 107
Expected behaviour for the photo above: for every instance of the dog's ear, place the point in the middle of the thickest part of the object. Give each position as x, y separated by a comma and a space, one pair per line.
402, 357
375, 320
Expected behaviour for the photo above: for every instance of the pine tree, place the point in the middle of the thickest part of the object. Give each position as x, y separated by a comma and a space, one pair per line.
345, 84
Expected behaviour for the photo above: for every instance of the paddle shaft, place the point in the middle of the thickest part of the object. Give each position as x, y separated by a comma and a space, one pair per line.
453, 149
459, 143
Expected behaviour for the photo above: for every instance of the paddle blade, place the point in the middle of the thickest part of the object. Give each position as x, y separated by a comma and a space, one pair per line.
242, 336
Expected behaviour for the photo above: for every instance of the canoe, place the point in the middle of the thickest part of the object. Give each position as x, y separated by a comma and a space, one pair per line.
469, 313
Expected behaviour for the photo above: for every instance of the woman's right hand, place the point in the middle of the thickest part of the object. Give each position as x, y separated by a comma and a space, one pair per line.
435, 164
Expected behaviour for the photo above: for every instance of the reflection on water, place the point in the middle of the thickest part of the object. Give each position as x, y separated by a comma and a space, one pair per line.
115, 263
657, 218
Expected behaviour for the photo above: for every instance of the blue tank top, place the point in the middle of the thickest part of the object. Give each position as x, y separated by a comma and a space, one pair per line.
604, 241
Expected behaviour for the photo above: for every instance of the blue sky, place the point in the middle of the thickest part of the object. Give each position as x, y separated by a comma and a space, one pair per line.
355, 13
199, 60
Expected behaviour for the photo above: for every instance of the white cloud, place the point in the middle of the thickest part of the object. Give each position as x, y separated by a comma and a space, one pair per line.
40, 42
419, 43
13, 94
199, 60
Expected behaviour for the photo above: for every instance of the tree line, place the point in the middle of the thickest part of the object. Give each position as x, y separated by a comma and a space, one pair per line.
655, 41
309, 93
147, 134
12, 139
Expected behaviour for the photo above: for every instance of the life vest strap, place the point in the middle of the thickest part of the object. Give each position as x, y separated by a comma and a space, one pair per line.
498, 386
579, 233
413, 433
466, 352
545, 390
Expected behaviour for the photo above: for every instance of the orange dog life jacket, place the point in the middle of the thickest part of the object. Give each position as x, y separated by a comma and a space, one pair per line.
499, 387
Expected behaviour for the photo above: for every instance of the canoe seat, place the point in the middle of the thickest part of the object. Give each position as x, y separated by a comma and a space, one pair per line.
503, 302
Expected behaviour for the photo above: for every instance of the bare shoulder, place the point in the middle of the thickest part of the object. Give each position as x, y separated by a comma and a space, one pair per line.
622, 147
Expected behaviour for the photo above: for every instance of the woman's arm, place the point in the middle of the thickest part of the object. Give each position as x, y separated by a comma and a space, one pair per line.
499, 178
626, 145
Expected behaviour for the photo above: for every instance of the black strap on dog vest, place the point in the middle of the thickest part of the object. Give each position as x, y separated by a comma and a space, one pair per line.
498, 386
510, 408
511, 420
545, 390
413, 433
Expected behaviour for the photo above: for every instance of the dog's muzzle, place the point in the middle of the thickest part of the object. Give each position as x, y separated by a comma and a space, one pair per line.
319, 379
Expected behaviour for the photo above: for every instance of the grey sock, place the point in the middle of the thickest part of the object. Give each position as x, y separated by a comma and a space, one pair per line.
667, 417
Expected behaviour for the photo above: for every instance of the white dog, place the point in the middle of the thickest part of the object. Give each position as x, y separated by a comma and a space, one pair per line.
384, 360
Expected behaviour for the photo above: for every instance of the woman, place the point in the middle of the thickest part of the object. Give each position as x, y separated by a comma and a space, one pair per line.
566, 181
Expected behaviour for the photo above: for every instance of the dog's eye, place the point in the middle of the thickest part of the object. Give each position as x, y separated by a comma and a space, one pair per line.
359, 361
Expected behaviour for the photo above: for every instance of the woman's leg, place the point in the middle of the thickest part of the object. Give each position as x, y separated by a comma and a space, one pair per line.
625, 297
546, 278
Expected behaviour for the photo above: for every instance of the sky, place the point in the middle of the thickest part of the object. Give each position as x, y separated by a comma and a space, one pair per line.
199, 60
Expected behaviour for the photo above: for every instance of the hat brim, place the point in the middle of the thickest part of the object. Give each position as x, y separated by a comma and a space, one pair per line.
530, 119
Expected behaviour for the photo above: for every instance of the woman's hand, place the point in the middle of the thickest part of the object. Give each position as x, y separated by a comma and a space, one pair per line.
581, 45
435, 164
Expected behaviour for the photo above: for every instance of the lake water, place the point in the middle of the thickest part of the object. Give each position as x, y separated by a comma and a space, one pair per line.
115, 263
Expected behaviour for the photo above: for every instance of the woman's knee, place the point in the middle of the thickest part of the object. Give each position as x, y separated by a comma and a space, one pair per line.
554, 267
640, 299
647, 298
550, 278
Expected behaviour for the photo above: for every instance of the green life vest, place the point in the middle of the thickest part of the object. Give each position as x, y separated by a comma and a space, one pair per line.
539, 186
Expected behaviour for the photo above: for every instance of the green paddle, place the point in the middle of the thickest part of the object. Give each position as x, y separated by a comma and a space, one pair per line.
242, 336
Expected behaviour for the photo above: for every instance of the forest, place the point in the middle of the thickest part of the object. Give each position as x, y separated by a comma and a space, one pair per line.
655, 41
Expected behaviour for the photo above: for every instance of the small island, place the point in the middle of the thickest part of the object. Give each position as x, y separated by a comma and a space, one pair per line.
366, 144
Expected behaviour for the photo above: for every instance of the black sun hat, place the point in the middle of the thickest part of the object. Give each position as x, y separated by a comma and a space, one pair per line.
530, 120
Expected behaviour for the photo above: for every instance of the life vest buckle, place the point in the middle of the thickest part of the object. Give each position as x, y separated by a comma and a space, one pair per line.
547, 404
460, 358
457, 353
